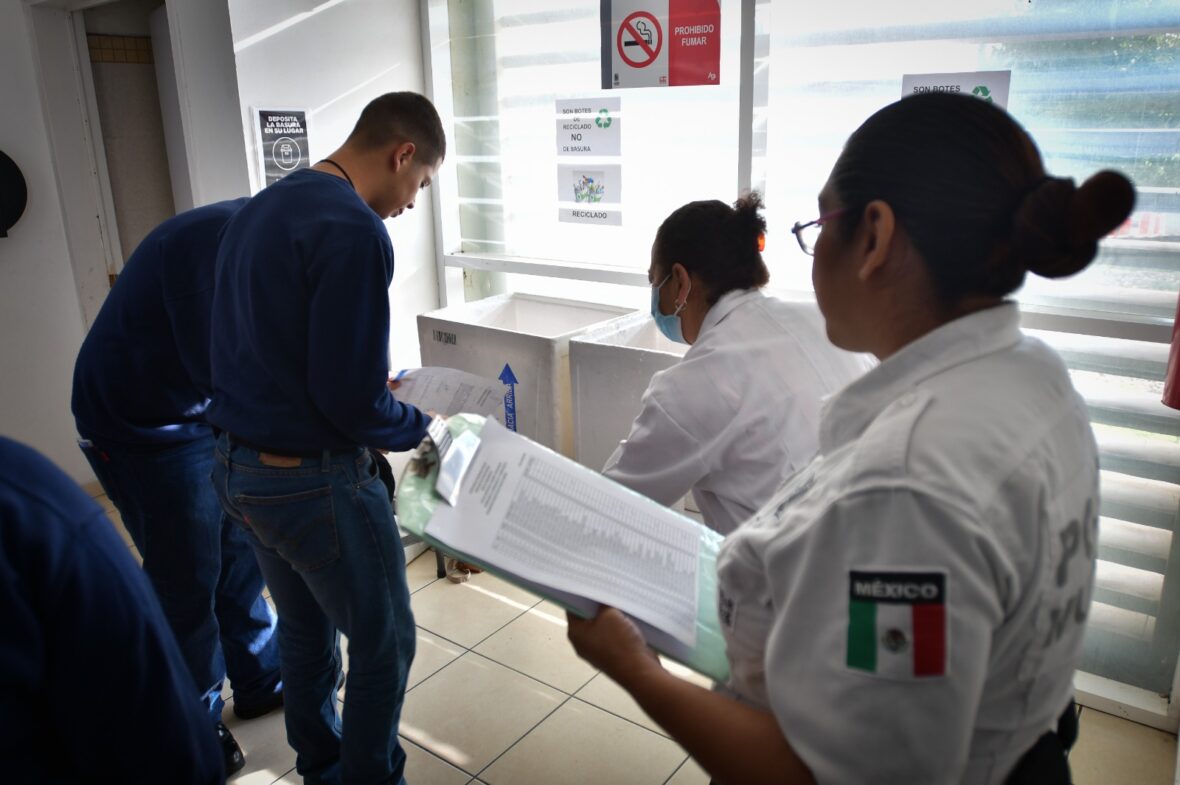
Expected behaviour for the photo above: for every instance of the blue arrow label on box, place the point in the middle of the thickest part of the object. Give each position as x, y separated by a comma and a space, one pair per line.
509, 379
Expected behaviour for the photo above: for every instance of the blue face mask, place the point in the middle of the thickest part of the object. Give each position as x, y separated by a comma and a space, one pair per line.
668, 324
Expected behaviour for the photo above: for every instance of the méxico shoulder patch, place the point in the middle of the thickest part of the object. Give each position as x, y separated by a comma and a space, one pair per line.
897, 623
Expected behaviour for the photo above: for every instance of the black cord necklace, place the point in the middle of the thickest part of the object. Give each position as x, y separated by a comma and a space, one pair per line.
342, 171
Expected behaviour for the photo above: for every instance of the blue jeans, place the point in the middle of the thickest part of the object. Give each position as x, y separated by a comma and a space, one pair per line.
325, 537
199, 562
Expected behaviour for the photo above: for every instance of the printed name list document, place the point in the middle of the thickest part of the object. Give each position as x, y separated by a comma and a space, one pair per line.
544, 518
449, 391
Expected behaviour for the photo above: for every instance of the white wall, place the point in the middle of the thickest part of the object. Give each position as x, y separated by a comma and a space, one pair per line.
331, 57
40, 317
207, 94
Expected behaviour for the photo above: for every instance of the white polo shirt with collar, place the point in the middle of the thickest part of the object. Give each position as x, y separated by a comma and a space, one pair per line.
911, 605
740, 412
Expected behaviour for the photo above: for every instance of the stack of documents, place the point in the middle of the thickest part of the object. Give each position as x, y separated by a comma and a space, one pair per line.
450, 391
567, 533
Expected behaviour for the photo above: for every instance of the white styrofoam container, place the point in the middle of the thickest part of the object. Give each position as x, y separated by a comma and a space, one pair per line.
529, 333
610, 368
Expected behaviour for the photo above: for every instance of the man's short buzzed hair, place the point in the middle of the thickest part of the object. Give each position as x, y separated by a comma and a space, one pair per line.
401, 117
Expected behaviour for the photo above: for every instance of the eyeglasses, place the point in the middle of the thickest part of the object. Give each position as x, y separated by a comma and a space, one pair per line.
808, 233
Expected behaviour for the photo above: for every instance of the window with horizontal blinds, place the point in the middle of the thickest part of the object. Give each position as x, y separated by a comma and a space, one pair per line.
1097, 83
511, 60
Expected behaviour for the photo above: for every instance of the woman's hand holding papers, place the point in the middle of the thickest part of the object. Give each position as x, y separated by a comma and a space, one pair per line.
612, 643
732, 741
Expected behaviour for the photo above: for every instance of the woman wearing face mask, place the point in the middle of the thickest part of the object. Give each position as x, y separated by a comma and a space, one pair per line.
910, 607
740, 412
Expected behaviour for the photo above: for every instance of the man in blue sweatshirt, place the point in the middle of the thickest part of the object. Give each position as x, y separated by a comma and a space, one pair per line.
92, 685
141, 385
300, 363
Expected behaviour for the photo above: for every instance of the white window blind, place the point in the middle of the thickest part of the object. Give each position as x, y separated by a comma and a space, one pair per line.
510, 61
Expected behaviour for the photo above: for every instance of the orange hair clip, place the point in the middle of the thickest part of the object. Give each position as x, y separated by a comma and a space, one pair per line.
761, 243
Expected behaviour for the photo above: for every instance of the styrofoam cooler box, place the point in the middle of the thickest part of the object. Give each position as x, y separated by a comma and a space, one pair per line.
610, 368
523, 340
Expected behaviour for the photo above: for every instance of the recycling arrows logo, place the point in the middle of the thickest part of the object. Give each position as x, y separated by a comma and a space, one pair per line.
603, 120
982, 92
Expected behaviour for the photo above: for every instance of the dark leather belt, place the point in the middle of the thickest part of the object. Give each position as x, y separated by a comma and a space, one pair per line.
1045, 763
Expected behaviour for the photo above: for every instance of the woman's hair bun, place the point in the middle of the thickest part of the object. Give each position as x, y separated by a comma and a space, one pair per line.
1058, 225
716, 242
749, 223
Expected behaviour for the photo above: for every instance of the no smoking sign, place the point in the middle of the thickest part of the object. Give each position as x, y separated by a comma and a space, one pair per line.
660, 43
640, 39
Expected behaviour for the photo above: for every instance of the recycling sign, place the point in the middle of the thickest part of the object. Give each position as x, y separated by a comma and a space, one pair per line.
990, 86
588, 126
589, 191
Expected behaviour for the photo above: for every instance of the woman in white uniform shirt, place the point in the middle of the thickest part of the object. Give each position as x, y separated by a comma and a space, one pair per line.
910, 607
740, 412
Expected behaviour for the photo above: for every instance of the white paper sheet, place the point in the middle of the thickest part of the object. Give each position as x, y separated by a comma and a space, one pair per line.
449, 391
538, 515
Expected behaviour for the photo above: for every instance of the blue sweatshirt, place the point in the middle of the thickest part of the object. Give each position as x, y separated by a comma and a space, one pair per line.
93, 687
142, 376
300, 340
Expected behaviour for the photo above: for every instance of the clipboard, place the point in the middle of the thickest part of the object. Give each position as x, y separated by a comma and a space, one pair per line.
417, 500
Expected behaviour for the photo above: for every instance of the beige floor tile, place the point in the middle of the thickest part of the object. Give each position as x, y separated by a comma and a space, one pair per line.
466, 613
423, 768
535, 644
473, 710
264, 740
421, 572
1114, 751
432, 655
580, 744
689, 774
606, 694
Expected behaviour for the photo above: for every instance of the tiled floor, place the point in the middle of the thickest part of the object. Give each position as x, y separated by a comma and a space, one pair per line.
497, 697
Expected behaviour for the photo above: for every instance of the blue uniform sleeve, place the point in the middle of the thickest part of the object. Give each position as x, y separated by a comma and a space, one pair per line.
348, 347
91, 678
109, 615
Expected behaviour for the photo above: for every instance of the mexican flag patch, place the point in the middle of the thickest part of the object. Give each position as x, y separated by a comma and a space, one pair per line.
897, 623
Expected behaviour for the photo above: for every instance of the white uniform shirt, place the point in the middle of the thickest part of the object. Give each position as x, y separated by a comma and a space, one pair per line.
911, 605
739, 413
